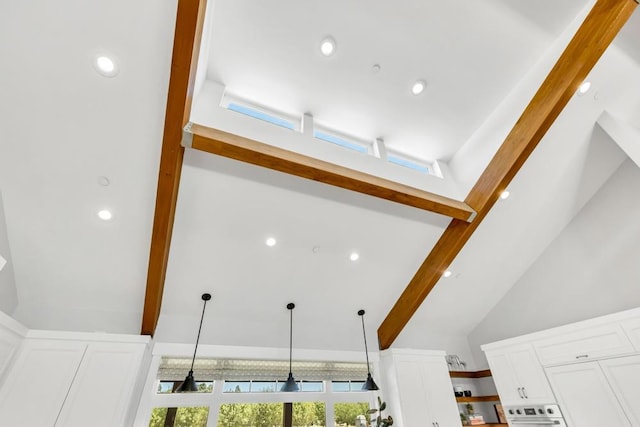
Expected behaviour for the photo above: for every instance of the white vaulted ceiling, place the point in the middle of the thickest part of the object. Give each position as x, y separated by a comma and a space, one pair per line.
63, 126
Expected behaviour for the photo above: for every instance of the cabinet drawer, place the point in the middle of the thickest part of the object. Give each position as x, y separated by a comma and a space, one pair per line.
583, 345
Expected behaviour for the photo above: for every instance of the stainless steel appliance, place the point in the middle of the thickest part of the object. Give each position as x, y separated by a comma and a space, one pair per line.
534, 415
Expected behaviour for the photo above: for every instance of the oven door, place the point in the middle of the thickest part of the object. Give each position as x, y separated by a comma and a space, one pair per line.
515, 422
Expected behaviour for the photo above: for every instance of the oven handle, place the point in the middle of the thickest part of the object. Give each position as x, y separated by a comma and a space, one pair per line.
541, 423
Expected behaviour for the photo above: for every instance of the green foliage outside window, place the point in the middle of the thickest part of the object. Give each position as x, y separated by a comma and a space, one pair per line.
346, 413
184, 417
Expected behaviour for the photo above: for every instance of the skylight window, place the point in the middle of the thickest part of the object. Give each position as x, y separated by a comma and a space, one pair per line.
407, 163
351, 145
260, 115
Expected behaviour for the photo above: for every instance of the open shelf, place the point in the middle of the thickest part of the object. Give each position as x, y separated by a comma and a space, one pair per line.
492, 398
470, 374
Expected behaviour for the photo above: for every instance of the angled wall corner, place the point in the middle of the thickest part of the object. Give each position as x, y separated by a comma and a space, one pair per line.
8, 289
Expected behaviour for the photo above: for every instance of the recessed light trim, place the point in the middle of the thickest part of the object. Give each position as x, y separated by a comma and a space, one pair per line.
105, 215
418, 87
505, 194
584, 88
105, 65
328, 46
271, 241
354, 256
447, 273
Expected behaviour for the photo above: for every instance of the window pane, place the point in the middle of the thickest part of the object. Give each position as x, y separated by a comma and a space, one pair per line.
236, 387
251, 112
250, 415
263, 386
340, 385
357, 385
341, 142
307, 414
312, 386
179, 417
169, 386
347, 414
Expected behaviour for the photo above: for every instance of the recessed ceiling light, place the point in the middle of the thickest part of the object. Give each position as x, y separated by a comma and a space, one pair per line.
105, 65
271, 241
105, 215
328, 46
103, 181
418, 87
584, 88
505, 194
447, 273
354, 256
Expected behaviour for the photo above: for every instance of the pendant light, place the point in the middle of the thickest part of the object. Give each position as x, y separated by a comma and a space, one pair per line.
369, 385
291, 384
189, 384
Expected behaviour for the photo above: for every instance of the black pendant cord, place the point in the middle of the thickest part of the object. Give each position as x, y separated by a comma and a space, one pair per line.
366, 351
204, 306
290, 337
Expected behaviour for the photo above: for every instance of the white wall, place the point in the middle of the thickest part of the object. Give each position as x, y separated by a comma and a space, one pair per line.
8, 291
591, 269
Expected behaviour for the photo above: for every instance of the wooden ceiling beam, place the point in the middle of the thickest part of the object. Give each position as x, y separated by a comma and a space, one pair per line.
247, 150
592, 38
186, 47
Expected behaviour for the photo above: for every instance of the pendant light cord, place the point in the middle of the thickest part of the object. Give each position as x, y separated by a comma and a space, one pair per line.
290, 337
366, 352
198, 338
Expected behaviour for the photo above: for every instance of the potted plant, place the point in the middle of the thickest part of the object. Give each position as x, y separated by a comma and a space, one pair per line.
464, 419
379, 420
469, 408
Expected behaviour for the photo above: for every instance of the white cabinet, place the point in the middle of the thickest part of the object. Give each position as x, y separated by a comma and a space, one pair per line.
632, 328
583, 344
69, 383
585, 397
518, 375
424, 393
37, 385
623, 375
103, 385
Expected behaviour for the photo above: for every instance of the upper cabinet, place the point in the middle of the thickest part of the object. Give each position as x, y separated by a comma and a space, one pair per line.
632, 329
585, 396
583, 344
623, 375
518, 375
425, 395
68, 378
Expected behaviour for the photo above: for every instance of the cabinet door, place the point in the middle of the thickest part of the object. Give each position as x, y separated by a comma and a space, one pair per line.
504, 377
39, 381
426, 395
412, 394
103, 385
623, 374
584, 396
530, 375
439, 396
585, 344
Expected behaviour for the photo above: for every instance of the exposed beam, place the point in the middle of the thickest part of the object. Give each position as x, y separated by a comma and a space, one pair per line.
247, 150
186, 46
592, 38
